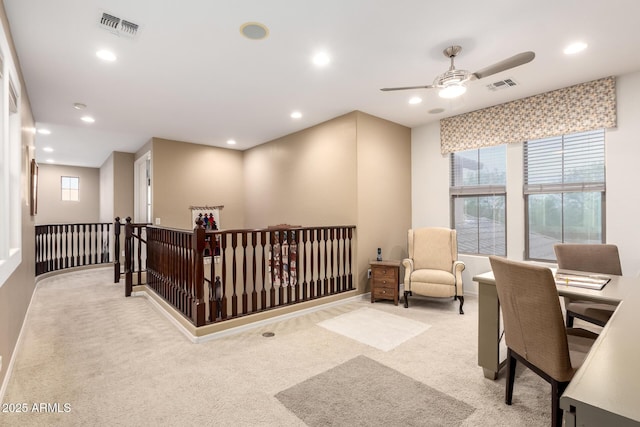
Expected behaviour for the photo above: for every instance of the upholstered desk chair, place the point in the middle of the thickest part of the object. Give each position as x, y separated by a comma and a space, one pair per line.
534, 329
594, 258
432, 268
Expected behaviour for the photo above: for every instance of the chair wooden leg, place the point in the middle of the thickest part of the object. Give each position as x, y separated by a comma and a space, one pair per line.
557, 388
511, 376
406, 298
569, 321
461, 298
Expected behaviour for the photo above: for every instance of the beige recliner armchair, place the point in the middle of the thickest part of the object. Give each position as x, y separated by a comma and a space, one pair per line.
432, 268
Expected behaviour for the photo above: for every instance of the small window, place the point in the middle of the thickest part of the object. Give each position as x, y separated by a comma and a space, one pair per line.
478, 200
70, 188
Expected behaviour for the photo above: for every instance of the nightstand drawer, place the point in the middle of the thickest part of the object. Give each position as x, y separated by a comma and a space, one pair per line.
383, 293
383, 272
385, 283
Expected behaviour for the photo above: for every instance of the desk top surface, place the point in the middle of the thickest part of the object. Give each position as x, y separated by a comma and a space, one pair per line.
609, 378
614, 291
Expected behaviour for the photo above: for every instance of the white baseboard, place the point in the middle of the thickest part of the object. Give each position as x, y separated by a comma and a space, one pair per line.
236, 330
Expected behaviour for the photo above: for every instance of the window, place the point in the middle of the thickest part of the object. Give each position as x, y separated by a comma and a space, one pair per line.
70, 188
478, 200
564, 187
11, 161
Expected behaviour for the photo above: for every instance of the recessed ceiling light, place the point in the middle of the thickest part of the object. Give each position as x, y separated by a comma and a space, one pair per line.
296, 115
254, 30
321, 59
231, 142
415, 100
106, 55
79, 106
87, 119
50, 161
44, 131
574, 48
48, 149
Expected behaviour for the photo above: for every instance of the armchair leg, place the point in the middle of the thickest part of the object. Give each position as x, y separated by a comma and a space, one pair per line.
406, 298
461, 298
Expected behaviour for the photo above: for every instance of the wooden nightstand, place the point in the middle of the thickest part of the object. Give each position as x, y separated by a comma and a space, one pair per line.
385, 280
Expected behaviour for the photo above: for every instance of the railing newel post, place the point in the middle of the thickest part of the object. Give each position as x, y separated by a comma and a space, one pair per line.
116, 250
197, 303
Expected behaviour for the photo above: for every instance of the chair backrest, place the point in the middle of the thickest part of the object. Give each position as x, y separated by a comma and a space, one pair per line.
433, 248
595, 258
533, 323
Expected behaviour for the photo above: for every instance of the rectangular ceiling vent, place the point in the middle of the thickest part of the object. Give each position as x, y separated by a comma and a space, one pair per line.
502, 84
117, 26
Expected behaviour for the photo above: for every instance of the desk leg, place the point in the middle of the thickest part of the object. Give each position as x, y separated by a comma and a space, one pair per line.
488, 330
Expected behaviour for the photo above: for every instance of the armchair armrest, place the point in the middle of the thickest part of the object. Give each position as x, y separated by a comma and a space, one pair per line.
458, 266
408, 269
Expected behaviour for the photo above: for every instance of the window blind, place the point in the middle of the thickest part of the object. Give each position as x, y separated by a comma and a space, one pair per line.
478, 171
568, 163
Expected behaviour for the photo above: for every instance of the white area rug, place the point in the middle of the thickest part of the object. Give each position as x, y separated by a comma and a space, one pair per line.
376, 328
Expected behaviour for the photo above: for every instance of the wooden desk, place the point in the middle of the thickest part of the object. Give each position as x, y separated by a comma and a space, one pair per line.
606, 388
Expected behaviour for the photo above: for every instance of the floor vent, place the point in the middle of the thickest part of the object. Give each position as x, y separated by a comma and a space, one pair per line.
502, 84
117, 26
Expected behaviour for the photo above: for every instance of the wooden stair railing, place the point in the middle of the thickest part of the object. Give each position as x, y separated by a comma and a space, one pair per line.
214, 275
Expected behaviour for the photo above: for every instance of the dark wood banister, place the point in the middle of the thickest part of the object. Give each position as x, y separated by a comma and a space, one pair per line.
301, 267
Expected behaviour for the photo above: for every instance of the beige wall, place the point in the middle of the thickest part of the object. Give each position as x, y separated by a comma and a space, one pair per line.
106, 190
185, 175
16, 291
53, 210
122, 185
307, 178
352, 170
384, 191
116, 186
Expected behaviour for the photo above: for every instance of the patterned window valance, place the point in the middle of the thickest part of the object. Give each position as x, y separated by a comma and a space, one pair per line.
578, 108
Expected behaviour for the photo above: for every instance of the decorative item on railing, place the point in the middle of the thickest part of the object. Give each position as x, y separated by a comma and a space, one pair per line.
61, 246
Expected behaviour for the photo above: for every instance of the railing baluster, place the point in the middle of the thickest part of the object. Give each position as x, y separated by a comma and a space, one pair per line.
275, 251
285, 276
234, 296
245, 302
303, 264
331, 262
319, 254
293, 264
263, 292
223, 249
254, 294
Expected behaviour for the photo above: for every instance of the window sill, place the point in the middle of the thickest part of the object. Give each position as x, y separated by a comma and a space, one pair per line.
9, 265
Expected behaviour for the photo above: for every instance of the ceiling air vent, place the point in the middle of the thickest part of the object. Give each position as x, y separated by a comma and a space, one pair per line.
117, 26
502, 84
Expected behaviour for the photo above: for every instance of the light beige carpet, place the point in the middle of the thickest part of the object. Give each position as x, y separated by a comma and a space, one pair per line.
117, 362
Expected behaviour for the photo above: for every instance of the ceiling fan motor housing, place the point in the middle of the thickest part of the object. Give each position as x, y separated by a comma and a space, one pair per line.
451, 77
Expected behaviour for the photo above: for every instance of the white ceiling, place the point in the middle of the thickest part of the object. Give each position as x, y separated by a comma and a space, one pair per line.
190, 75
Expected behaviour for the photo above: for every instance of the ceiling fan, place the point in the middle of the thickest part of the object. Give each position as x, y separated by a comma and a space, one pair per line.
452, 82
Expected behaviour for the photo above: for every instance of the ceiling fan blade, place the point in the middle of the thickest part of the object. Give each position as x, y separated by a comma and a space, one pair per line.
507, 64
386, 89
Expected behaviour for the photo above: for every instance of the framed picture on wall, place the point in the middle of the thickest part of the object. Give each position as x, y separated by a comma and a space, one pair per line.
34, 187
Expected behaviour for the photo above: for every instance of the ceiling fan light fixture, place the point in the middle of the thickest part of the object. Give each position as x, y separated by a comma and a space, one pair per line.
451, 91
